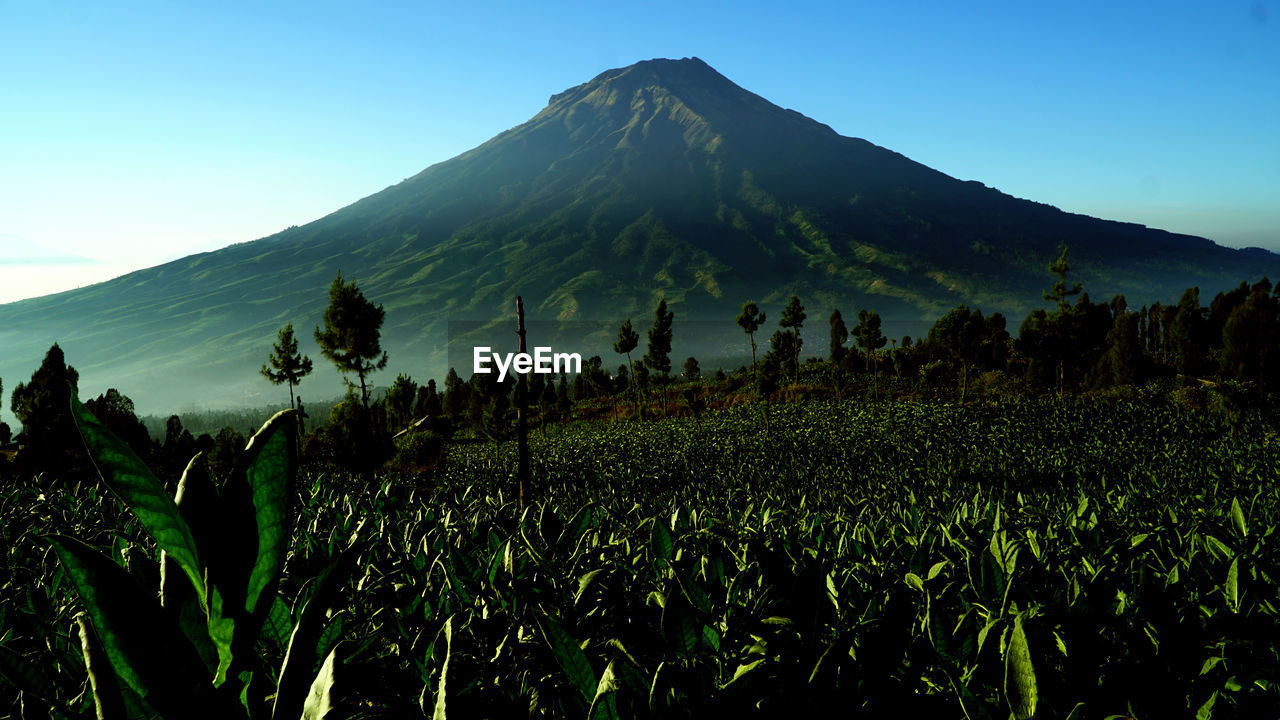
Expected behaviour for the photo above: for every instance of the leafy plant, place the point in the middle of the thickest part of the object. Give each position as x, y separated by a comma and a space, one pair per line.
192, 652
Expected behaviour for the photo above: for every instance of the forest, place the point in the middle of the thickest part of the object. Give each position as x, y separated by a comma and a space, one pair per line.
1073, 522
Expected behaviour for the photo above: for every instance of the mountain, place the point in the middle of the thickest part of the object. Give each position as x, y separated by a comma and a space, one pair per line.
661, 179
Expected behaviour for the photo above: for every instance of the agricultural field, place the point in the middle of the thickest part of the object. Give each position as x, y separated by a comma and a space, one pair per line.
1047, 558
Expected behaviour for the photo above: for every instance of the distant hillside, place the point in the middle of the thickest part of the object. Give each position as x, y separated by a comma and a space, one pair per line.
662, 179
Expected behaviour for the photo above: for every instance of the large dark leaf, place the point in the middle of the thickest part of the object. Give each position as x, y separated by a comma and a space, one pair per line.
107, 700
198, 502
148, 654
134, 484
296, 672
244, 565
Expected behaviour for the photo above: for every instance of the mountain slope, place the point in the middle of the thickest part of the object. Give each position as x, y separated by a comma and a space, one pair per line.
661, 179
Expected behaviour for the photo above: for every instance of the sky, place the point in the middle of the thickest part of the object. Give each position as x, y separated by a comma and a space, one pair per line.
134, 133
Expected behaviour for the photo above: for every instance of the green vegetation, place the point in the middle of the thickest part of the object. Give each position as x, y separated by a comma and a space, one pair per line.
1087, 532
287, 364
351, 334
1049, 558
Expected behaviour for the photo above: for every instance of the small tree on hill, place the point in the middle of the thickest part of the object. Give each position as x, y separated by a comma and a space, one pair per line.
839, 336
455, 397
400, 400
564, 406
767, 379
43, 406
1187, 335
958, 335
750, 320
691, 370
1123, 357
793, 317
116, 412
658, 356
870, 339
350, 338
1061, 291
287, 365
627, 341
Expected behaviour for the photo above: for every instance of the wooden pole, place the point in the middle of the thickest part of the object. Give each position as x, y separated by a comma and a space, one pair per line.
522, 432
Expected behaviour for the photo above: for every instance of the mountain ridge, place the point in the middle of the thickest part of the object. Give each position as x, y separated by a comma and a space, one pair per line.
659, 179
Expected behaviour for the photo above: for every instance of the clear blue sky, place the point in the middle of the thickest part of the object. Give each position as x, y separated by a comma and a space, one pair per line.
133, 133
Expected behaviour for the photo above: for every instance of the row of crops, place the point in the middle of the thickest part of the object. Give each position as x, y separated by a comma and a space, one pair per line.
1047, 559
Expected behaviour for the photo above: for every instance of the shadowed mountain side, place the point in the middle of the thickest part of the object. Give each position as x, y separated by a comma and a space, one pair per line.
659, 179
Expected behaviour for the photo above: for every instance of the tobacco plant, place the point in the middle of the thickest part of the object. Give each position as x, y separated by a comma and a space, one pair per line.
191, 651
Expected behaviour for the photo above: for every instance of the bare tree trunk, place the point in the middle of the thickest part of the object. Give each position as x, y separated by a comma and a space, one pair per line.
522, 432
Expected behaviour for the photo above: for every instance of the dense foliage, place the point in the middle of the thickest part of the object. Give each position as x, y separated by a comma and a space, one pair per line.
1051, 558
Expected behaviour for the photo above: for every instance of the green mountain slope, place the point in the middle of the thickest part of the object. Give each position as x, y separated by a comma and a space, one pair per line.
662, 179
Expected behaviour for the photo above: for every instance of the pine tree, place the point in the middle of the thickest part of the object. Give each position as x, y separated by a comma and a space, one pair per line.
959, 335
1124, 349
455, 396
626, 342
692, 372
287, 365
1186, 334
793, 317
350, 338
658, 357
839, 336
400, 400
43, 406
563, 404
1060, 291
870, 339
750, 320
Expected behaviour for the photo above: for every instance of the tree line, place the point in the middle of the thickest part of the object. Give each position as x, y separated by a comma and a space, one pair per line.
1073, 344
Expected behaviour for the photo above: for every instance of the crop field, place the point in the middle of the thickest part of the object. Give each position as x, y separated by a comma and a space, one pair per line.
1049, 558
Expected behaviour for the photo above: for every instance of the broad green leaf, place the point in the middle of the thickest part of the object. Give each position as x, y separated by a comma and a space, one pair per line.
661, 543
913, 581
570, 658
320, 699
198, 503
1218, 547
1206, 710
1237, 518
711, 638
742, 670
131, 481
295, 672
270, 466
694, 594
1231, 588
679, 625
1019, 675
279, 624
604, 706
442, 691
149, 655
103, 683
585, 582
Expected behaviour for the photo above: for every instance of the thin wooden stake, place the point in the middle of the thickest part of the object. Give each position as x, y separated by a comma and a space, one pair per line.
522, 401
